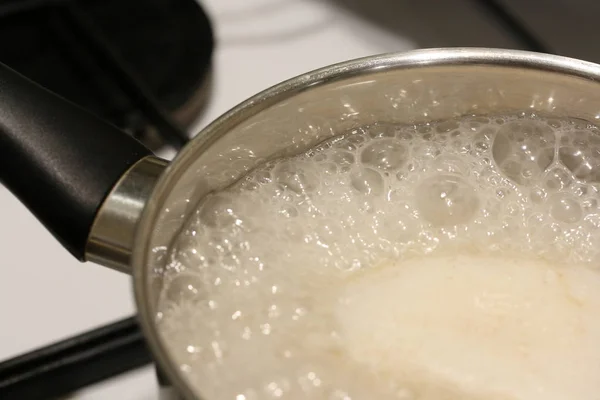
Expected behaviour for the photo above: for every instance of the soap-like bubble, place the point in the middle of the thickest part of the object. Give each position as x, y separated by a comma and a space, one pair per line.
385, 154
342, 158
446, 200
367, 181
218, 210
565, 209
301, 178
557, 179
580, 153
523, 149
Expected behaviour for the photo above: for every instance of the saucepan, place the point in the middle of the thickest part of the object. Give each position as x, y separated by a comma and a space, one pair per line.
108, 200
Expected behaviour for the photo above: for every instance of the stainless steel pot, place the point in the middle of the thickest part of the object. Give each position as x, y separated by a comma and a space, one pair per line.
109, 201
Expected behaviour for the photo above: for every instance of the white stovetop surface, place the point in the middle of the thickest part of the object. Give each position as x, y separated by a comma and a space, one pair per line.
46, 296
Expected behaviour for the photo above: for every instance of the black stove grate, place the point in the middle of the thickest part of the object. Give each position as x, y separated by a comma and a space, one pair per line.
67, 366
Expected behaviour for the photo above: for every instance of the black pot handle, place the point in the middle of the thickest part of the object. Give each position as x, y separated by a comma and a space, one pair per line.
58, 159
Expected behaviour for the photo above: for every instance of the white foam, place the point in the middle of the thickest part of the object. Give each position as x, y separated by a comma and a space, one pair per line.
254, 301
475, 327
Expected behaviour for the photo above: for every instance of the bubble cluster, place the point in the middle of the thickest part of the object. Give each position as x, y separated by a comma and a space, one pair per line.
523, 149
254, 277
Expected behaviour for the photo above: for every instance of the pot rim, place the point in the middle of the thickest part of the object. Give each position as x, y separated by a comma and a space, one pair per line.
261, 101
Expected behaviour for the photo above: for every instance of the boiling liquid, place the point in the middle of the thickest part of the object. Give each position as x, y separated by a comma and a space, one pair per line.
444, 261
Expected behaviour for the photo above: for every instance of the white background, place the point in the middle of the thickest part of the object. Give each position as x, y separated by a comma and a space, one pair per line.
46, 296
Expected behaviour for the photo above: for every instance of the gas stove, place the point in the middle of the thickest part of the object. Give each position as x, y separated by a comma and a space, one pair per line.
149, 67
